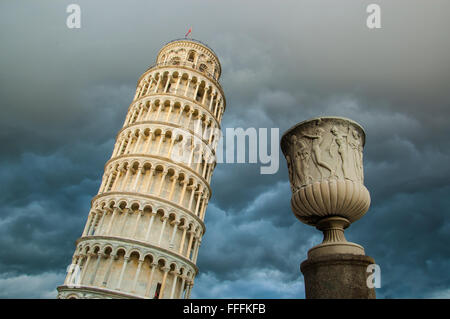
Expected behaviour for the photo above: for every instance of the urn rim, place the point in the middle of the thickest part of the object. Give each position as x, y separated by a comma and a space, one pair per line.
292, 128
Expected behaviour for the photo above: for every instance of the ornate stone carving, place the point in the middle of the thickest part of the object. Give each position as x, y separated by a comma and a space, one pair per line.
324, 159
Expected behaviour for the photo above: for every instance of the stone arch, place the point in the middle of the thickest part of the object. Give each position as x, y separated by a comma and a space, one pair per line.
172, 216
111, 203
149, 256
147, 207
96, 247
161, 211
191, 56
173, 266
86, 248
134, 205
122, 204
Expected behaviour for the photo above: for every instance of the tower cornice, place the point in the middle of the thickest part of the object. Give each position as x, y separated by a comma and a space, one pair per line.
138, 243
175, 98
145, 225
154, 198
172, 125
163, 159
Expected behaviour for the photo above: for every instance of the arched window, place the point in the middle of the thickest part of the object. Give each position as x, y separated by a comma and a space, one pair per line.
200, 93
203, 67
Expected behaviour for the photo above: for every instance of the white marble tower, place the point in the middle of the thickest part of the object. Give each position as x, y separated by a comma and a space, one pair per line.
145, 226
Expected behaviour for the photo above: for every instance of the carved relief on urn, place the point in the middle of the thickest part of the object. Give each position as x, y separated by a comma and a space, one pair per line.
325, 164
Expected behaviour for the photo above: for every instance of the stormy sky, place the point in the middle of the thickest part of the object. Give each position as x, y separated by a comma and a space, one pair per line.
64, 94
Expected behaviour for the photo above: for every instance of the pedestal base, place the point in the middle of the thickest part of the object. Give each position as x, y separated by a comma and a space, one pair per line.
337, 276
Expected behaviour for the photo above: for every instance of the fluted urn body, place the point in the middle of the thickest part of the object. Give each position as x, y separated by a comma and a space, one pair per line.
325, 164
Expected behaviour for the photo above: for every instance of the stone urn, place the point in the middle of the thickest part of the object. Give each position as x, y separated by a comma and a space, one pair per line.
325, 164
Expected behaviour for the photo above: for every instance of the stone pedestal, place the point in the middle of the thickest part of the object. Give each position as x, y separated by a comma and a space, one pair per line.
337, 276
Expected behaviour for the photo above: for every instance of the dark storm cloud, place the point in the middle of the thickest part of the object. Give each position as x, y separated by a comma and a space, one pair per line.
64, 95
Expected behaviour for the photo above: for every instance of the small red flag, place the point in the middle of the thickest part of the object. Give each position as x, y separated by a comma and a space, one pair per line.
190, 30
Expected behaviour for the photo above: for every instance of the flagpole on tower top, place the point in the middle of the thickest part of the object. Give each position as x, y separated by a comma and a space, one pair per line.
189, 31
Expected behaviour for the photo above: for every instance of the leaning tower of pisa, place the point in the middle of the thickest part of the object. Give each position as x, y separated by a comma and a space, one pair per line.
145, 226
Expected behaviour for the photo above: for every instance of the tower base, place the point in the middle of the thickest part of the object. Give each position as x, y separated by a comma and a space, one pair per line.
337, 276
